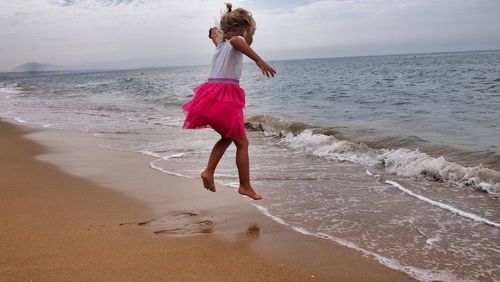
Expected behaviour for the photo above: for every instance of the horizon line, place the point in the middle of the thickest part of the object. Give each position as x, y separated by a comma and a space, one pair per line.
187, 65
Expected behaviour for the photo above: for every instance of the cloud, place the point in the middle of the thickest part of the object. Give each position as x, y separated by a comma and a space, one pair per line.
76, 32
377, 26
91, 31
63, 2
116, 2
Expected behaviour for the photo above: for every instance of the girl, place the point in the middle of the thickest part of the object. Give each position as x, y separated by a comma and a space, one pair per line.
219, 102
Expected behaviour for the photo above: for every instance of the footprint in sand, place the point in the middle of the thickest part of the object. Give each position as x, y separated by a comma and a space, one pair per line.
185, 223
253, 231
204, 226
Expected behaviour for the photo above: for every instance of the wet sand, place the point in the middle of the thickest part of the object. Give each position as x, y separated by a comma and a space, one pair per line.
71, 210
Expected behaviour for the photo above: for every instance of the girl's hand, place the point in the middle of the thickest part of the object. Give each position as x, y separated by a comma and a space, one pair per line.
266, 69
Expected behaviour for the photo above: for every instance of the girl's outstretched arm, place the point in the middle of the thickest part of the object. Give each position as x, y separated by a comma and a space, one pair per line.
241, 45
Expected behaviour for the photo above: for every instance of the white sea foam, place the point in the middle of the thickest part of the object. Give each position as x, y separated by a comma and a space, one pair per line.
11, 89
20, 120
440, 205
40, 124
174, 156
151, 154
163, 157
444, 206
232, 184
417, 273
153, 165
401, 162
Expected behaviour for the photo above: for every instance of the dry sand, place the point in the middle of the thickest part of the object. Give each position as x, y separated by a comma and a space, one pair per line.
71, 210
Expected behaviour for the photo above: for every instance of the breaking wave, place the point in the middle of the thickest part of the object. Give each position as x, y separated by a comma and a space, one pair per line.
326, 143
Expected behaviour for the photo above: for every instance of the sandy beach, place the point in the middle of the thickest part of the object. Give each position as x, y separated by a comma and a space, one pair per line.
74, 211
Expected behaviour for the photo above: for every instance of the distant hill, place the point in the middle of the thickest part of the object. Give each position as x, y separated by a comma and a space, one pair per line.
34, 66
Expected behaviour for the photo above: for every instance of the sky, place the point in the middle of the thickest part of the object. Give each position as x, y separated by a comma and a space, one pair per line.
142, 33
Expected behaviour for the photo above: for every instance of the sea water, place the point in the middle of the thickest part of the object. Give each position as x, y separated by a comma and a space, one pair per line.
396, 157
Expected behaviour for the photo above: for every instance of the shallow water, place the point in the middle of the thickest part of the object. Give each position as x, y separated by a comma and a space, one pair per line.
395, 156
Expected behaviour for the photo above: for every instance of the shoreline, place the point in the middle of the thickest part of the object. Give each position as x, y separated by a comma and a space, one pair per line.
117, 218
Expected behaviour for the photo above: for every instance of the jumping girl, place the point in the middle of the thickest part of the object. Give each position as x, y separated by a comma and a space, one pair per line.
219, 102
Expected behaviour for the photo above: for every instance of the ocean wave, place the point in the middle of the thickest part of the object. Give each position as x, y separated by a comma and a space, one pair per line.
325, 143
274, 126
13, 88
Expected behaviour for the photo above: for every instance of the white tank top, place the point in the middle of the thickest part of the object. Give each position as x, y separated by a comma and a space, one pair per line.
227, 62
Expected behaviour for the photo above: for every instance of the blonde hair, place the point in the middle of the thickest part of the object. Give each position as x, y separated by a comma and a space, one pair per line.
236, 21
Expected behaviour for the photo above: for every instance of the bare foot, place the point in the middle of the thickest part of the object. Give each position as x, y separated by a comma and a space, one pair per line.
208, 181
248, 191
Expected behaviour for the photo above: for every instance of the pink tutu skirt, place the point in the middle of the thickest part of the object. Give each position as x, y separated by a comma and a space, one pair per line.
218, 104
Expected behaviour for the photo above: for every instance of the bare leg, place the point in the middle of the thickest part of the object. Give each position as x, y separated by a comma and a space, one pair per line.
217, 152
243, 164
